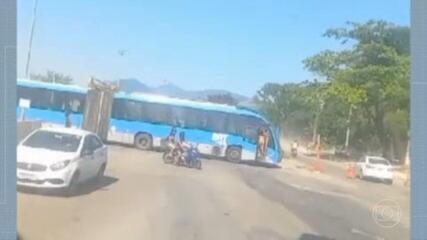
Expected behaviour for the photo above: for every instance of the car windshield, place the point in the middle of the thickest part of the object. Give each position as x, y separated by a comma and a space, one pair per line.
54, 141
381, 161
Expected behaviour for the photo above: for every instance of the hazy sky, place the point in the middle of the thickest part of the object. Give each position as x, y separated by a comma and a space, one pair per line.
237, 45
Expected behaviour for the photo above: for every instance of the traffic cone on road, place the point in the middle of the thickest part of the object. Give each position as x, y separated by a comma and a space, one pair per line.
317, 165
351, 171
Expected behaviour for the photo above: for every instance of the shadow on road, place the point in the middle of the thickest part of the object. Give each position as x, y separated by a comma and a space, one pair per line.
309, 236
375, 181
84, 189
259, 164
131, 146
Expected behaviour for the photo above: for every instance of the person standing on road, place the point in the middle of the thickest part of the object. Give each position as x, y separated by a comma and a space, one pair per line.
68, 115
266, 140
261, 143
294, 148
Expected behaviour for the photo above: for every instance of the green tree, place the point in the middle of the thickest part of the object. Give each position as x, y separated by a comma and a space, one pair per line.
52, 77
361, 97
290, 105
373, 76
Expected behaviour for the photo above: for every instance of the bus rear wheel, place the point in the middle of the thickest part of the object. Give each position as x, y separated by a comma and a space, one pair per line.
234, 154
143, 141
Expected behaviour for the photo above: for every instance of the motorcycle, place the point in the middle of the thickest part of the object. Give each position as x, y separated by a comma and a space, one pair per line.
189, 158
171, 153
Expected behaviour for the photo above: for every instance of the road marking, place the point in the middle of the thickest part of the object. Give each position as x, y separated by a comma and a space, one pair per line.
357, 231
334, 194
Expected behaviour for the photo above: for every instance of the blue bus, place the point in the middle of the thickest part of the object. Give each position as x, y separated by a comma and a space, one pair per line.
49, 101
145, 120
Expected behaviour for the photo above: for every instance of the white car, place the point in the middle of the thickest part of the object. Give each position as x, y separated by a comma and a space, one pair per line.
60, 158
375, 167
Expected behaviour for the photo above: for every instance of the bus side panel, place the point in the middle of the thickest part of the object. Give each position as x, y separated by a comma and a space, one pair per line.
248, 149
131, 128
273, 156
276, 154
201, 138
209, 140
49, 116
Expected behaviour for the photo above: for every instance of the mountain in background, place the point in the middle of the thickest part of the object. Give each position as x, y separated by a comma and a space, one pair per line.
134, 85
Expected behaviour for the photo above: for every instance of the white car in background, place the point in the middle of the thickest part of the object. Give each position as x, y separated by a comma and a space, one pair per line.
376, 168
60, 158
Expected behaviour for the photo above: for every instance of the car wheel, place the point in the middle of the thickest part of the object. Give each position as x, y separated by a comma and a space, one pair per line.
100, 173
143, 141
389, 181
234, 154
73, 185
199, 165
361, 175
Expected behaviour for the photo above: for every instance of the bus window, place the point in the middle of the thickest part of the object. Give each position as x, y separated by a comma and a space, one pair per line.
216, 122
127, 110
133, 110
158, 113
195, 118
40, 98
59, 101
177, 115
78, 101
119, 109
245, 126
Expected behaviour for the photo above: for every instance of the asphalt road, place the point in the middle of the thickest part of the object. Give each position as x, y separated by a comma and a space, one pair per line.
142, 198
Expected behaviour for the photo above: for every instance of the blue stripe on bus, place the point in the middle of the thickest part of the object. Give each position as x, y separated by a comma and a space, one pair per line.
50, 116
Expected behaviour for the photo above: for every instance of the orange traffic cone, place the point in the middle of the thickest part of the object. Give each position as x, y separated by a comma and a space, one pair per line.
351, 171
317, 165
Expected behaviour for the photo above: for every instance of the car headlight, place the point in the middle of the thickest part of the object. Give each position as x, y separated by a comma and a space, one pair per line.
59, 165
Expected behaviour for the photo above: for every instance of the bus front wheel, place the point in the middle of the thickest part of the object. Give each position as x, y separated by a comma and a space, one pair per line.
234, 154
143, 141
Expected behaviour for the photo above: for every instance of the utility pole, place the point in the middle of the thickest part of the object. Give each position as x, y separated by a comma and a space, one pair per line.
27, 68
347, 134
316, 121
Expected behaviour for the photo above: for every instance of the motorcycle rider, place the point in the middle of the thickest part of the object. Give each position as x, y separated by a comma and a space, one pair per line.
183, 147
171, 137
171, 141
